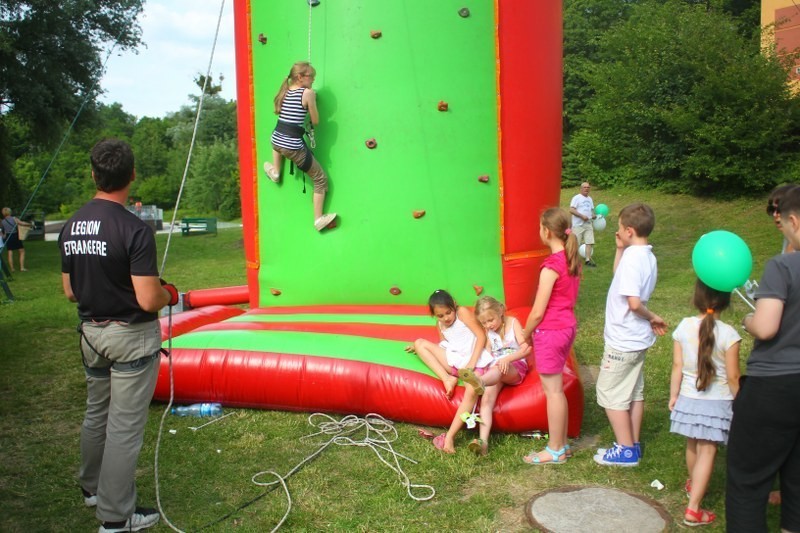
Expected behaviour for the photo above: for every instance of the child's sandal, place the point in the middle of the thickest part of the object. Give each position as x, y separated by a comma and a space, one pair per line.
469, 377
479, 447
557, 457
701, 517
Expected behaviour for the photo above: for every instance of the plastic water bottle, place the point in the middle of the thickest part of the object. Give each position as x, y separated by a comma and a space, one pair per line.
198, 409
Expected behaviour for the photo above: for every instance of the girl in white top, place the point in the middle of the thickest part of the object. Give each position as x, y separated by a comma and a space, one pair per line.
705, 379
505, 339
461, 345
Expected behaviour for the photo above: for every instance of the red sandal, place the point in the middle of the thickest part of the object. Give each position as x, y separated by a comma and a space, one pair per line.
701, 517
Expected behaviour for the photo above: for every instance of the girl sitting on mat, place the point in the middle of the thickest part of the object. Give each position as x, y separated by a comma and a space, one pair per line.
504, 338
462, 345
295, 101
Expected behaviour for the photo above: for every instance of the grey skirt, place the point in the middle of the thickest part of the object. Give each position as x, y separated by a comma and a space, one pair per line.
702, 419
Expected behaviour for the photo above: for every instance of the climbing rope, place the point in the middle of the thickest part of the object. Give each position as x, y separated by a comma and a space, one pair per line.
164, 263
310, 7
194, 137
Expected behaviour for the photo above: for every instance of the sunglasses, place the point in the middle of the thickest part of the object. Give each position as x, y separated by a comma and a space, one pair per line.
772, 209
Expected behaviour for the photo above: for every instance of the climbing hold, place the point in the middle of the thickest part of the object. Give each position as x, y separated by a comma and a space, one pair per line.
442, 105
371, 143
478, 289
483, 179
262, 38
313, 3
419, 214
275, 292
395, 290
375, 34
463, 12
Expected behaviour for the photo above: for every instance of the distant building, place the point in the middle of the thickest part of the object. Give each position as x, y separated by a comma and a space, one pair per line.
782, 17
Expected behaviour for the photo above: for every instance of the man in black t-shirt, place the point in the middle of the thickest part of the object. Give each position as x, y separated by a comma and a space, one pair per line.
108, 265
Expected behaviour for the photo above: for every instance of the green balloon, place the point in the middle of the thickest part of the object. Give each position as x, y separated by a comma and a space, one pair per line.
722, 260
601, 209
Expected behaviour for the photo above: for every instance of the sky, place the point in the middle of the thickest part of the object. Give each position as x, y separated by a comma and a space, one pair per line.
178, 36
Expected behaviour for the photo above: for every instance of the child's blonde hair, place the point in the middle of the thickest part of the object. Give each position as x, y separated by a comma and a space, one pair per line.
487, 303
298, 70
557, 221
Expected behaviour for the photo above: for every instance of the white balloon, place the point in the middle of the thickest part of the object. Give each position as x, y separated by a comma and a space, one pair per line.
599, 223
582, 250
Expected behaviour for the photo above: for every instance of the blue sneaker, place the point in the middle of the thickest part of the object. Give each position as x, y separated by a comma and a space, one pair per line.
637, 445
618, 456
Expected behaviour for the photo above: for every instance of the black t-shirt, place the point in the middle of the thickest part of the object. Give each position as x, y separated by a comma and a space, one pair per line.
780, 355
102, 246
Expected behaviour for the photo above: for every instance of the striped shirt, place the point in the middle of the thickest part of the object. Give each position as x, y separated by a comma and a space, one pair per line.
292, 112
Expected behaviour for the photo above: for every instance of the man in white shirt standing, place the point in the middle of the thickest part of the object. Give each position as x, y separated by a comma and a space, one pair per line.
582, 208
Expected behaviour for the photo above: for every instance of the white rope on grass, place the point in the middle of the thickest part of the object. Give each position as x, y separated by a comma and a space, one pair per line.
378, 435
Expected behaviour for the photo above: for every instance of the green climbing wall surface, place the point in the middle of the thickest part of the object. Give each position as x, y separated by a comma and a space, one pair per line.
387, 89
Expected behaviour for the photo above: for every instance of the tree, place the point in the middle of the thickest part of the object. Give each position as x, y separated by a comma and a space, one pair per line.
214, 182
682, 102
50, 60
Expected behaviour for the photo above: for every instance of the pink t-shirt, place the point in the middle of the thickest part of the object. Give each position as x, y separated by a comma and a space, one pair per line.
560, 312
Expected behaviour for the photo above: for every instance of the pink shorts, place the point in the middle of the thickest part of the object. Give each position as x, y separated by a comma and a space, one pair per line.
551, 348
522, 369
478, 371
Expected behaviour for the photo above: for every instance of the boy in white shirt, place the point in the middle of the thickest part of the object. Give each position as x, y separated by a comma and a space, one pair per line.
630, 330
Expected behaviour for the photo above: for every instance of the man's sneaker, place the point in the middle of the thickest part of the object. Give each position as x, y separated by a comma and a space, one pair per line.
322, 222
590, 263
618, 456
637, 445
88, 498
142, 519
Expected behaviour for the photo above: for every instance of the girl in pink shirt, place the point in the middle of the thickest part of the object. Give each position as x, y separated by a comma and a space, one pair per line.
553, 325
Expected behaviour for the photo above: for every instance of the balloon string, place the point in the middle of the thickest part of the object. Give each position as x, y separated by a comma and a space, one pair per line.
742, 296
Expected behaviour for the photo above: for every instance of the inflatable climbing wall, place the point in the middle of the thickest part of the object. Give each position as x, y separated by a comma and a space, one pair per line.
440, 132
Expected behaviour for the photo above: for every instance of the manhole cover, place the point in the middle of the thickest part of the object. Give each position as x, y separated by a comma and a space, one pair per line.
596, 509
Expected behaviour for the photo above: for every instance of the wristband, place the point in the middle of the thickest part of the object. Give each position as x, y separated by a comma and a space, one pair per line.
174, 297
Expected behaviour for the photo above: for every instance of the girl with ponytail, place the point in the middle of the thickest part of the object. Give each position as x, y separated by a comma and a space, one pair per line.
553, 326
705, 379
295, 105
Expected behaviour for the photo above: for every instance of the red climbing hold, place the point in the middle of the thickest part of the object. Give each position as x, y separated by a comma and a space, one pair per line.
419, 214
483, 179
443, 106
395, 290
478, 289
275, 292
371, 143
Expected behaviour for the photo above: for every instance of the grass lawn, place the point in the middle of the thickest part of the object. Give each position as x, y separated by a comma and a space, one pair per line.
205, 475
